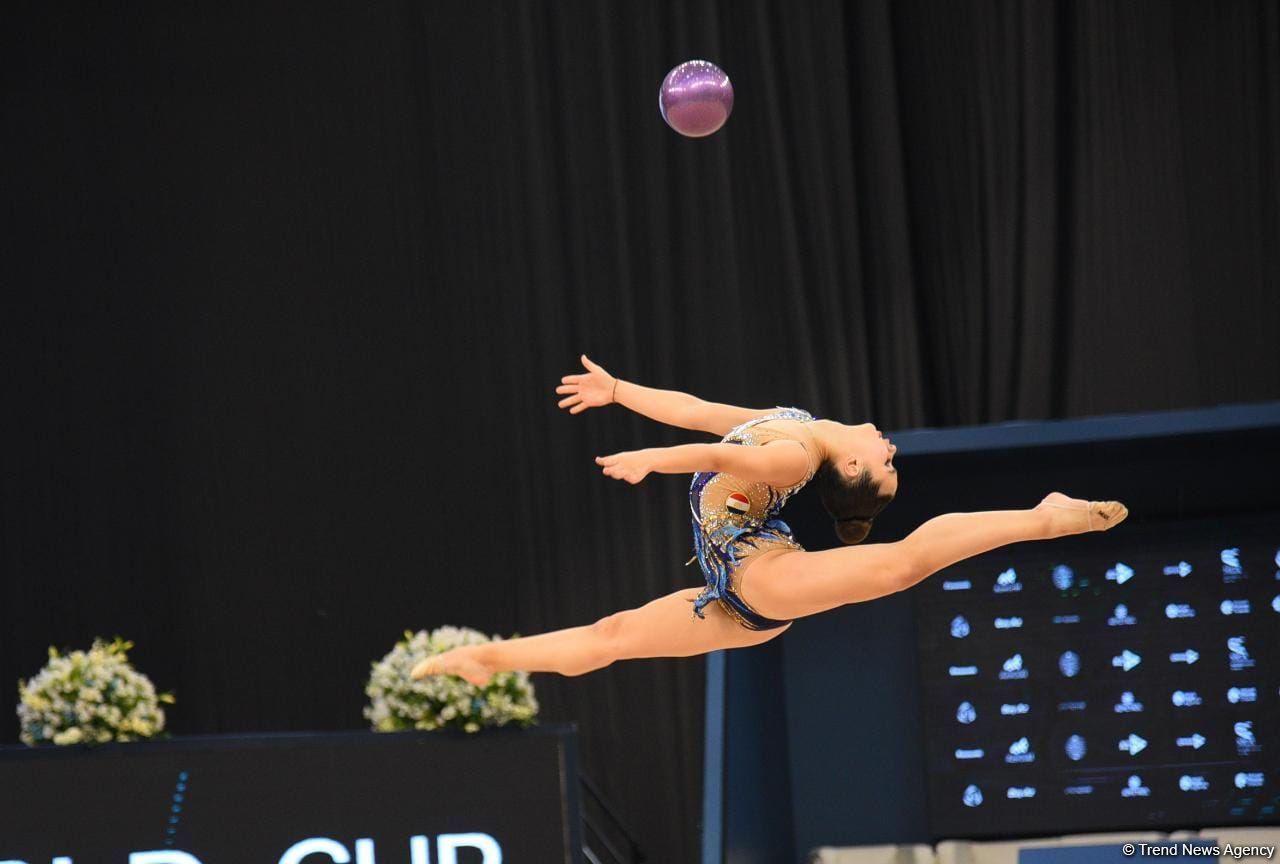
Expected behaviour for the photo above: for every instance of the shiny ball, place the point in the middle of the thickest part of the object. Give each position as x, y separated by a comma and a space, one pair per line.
695, 98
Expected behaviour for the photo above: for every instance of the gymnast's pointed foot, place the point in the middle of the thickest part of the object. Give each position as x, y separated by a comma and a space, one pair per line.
460, 661
1076, 516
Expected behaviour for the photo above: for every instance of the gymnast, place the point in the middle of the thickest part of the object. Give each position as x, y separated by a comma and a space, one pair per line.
758, 578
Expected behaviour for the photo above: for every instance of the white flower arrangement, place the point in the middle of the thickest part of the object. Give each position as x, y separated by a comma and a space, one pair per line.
90, 697
444, 701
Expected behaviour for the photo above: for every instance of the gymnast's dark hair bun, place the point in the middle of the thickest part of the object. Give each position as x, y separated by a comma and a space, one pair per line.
851, 503
852, 531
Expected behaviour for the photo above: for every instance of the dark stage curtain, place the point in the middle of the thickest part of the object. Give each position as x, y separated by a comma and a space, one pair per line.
288, 287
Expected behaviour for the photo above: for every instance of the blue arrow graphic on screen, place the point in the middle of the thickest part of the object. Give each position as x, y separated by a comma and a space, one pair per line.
1182, 568
1197, 741
1126, 660
1189, 656
1120, 574
1133, 745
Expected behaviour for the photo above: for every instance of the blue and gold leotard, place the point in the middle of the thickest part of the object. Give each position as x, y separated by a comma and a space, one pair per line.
734, 519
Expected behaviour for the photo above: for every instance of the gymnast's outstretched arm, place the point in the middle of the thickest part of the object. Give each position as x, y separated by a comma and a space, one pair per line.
596, 387
778, 463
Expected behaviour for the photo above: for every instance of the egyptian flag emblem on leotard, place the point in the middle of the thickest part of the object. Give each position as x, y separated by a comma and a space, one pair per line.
737, 503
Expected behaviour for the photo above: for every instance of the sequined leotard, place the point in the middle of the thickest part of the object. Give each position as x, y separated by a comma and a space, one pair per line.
734, 519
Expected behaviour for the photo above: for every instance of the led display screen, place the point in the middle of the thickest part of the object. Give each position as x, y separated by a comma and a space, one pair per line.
1105, 681
316, 799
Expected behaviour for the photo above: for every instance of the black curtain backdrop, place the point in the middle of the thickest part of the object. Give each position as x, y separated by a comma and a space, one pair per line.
287, 289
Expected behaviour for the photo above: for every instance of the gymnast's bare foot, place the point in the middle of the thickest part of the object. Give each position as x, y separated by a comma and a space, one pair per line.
459, 661
1076, 516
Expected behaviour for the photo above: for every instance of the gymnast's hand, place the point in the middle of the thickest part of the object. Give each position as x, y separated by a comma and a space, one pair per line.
591, 389
632, 466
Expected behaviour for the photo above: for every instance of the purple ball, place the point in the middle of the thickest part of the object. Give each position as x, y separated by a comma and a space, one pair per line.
695, 98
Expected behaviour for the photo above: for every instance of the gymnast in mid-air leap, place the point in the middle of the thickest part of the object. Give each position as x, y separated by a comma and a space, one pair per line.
758, 578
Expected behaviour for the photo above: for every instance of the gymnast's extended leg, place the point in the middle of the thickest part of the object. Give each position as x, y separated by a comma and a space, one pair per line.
665, 627
782, 585
788, 585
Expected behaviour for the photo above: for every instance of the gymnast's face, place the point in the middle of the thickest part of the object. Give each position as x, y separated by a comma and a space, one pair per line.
864, 448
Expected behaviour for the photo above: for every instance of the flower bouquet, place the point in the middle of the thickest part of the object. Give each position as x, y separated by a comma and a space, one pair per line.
91, 697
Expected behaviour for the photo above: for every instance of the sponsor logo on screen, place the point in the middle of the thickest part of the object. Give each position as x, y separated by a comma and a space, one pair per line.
1128, 704
1231, 569
1133, 788
1075, 748
1238, 654
1007, 582
1020, 752
1246, 742
1012, 669
1069, 664
1063, 577
1236, 695
1193, 783
1121, 617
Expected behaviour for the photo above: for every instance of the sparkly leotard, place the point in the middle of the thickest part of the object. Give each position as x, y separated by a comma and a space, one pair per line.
734, 519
